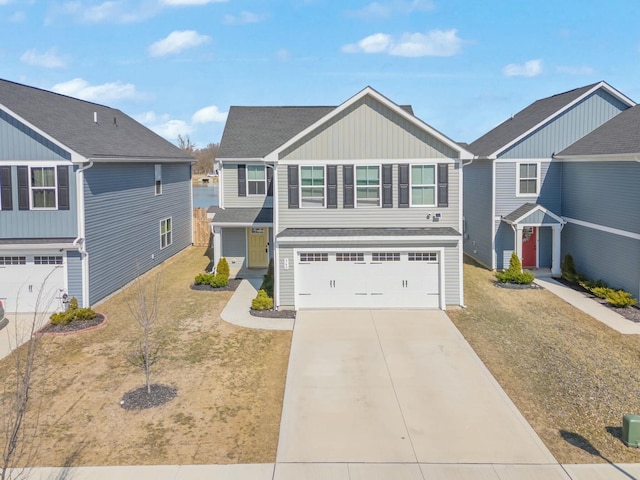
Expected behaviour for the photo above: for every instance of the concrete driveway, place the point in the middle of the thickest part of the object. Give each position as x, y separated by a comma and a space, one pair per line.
396, 387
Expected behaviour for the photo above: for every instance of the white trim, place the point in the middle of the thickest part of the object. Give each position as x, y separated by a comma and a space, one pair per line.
602, 228
557, 113
54, 188
19, 247
376, 161
355, 185
435, 185
324, 185
519, 163
170, 219
522, 160
240, 160
538, 208
157, 171
494, 225
360, 239
368, 91
266, 187
220, 187
240, 224
612, 157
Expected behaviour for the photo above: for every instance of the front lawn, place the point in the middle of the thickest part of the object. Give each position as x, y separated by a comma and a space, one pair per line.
229, 381
572, 377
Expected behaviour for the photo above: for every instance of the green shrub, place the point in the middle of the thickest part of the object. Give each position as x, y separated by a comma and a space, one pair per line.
218, 281
569, 269
203, 278
589, 285
515, 274
620, 298
601, 292
262, 301
267, 281
60, 318
223, 268
72, 314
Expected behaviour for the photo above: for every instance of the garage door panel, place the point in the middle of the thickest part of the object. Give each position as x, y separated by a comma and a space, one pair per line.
29, 288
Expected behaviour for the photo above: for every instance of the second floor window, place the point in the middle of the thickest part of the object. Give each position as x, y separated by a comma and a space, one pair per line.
528, 179
312, 186
368, 186
256, 180
423, 185
43, 187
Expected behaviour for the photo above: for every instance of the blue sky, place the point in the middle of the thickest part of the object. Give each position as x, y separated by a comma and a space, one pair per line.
177, 65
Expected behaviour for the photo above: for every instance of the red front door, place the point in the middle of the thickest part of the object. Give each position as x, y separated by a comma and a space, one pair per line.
529, 244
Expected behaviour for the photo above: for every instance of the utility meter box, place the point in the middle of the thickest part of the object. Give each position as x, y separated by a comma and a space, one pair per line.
631, 430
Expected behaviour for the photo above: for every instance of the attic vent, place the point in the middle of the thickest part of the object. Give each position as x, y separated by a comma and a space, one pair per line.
95, 117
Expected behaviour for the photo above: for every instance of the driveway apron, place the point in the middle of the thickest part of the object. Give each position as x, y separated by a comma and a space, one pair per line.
395, 386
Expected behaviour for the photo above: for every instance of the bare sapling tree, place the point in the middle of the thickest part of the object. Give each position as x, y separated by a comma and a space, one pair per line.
143, 303
20, 405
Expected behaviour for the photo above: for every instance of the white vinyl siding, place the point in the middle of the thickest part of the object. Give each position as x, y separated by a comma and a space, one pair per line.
312, 186
43, 188
423, 185
368, 186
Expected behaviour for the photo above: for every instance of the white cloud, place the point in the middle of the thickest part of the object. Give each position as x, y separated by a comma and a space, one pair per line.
436, 43
576, 70
176, 42
180, 3
116, 11
208, 115
172, 128
283, 55
244, 18
48, 59
5, 2
532, 68
383, 10
105, 93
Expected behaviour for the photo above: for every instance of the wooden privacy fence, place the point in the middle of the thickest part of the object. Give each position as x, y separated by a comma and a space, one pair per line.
201, 230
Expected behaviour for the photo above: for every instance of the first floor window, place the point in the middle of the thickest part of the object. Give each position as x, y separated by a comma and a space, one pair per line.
368, 186
47, 260
385, 257
165, 233
528, 179
423, 185
314, 257
13, 260
312, 186
43, 187
349, 257
423, 257
256, 180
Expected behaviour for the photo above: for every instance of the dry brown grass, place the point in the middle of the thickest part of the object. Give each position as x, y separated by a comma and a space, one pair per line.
572, 377
230, 384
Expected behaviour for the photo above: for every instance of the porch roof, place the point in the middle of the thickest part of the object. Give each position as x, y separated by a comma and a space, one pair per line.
533, 214
241, 217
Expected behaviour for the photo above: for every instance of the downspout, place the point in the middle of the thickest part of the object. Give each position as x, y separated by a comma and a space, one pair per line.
461, 227
274, 201
80, 240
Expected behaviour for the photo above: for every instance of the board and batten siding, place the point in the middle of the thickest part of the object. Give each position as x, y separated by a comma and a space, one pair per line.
230, 191
367, 217
603, 193
234, 246
570, 126
39, 223
478, 196
506, 185
367, 130
123, 217
19, 142
74, 275
605, 256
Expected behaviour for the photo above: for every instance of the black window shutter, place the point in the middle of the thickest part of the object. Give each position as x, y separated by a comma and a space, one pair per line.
63, 187
242, 180
269, 181
387, 186
332, 186
403, 185
347, 184
443, 185
6, 195
292, 174
23, 188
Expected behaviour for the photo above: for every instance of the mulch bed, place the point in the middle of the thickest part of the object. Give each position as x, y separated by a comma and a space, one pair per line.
273, 313
233, 284
518, 286
76, 326
140, 398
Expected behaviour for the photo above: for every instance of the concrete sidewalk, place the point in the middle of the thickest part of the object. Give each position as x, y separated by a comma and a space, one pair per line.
18, 330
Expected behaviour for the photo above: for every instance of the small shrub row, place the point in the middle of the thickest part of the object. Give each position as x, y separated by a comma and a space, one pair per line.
73, 314
616, 298
218, 279
262, 301
515, 274
267, 280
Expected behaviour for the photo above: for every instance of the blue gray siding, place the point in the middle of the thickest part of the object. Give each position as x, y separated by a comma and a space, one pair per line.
545, 249
478, 223
230, 191
123, 217
605, 256
19, 142
234, 246
504, 242
39, 223
604, 193
549, 196
572, 125
74, 275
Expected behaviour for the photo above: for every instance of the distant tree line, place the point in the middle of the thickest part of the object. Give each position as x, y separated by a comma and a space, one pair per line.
204, 156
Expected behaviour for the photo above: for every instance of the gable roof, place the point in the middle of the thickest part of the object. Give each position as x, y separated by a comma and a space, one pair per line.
533, 117
70, 122
521, 213
618, 136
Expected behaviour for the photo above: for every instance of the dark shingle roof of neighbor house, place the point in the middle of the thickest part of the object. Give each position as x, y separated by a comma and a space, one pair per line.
523, 121
618, 136
71, 122
244, 216
254, 132
368, 232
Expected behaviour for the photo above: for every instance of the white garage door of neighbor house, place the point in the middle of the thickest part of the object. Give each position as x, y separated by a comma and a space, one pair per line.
352, 279
31, 283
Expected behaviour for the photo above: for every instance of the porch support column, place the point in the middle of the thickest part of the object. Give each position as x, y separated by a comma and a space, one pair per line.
555, 256
519, 241
217, 246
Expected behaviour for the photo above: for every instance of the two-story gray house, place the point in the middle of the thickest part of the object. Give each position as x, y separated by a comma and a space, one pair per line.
89, 199
517, 194
359, 205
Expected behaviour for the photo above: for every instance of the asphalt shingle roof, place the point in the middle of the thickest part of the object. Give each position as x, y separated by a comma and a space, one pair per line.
523, 121
71, 122
243, 216
620, 135
520, 212
254, 132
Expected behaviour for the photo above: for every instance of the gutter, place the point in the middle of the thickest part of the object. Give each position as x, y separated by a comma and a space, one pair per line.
80, 241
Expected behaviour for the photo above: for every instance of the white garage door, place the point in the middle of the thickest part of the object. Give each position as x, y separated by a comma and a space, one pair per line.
357, 279
30, 283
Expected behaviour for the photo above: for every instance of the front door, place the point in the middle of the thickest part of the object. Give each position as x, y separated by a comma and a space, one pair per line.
258, 241
529, 247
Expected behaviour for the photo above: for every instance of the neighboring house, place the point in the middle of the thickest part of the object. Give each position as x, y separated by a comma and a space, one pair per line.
515, 192
359, 205
89, 199
601, 202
